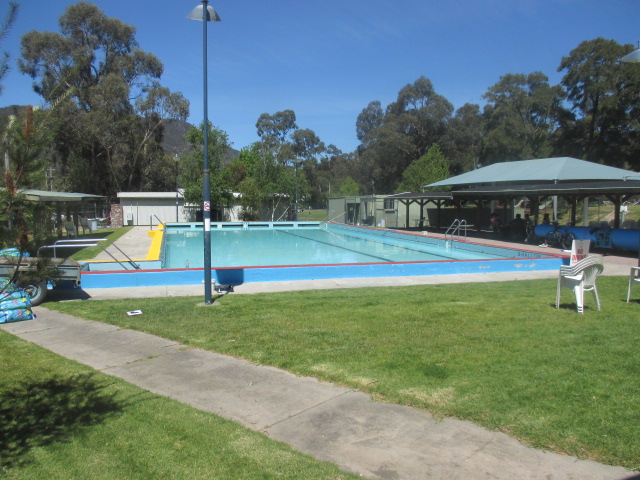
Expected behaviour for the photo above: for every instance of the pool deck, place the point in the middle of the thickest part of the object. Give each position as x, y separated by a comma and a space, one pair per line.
137, 242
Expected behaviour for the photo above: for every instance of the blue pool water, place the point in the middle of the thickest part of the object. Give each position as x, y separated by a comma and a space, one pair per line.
266, 252
309, 245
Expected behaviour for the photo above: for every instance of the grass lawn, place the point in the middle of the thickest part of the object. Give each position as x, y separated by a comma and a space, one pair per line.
61, 420
498, 354
313, 215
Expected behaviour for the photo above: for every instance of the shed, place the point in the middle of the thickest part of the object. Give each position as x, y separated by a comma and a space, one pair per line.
151, 208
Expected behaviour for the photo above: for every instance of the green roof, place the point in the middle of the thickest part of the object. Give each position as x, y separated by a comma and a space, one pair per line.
46, 196
543, 170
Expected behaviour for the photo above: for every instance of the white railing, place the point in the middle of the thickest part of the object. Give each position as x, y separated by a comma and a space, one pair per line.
455, 230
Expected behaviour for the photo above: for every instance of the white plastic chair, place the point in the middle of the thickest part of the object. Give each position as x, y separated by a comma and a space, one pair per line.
580, 277
634, 277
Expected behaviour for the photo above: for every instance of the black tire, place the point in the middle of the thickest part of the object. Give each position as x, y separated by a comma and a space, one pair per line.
37, 292
567, 241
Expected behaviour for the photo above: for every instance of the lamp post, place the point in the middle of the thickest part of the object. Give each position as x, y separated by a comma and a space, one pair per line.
205, 13
295, 206
177, 192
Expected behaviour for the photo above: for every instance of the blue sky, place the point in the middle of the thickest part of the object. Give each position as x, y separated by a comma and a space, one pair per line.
327, 60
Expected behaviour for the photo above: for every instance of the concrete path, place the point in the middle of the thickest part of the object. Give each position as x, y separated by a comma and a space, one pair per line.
135, 243
332, 423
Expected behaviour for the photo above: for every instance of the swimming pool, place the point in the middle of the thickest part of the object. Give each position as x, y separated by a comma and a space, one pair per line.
305, 244
246, 252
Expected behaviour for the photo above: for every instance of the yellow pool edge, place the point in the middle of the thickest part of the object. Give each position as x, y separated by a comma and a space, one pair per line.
156, 243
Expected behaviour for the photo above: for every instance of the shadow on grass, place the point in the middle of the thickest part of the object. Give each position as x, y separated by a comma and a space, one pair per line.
38, 413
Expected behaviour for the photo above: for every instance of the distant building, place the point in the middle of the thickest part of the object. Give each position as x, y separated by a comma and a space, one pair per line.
365, 210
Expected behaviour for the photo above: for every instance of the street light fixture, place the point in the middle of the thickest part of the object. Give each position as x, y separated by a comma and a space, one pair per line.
633, 57
205, 14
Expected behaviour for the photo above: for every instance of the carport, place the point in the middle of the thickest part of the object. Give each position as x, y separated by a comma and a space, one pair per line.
64, 202
535, 180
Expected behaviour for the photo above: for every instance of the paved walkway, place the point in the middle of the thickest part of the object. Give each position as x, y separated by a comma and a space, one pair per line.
332, 423
135, 243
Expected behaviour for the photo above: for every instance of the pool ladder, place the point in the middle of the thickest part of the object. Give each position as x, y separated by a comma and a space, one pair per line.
455, 230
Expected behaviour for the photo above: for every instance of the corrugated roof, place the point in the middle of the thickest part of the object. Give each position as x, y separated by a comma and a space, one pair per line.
543, 170
46, 196
424, 195
150, 194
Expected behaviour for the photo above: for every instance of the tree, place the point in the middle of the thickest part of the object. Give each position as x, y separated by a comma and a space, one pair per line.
370, 118
431, 167
29, 223
347, 188
262, 182
282, 141
389, 143
274, 131
92, 71
192, 165
462, 141
9, 19
605, 97
153, 109
521, 116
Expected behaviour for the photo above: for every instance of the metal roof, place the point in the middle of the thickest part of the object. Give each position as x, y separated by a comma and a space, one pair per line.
629, 187
424, 195
46, 196
543, 170
150, 194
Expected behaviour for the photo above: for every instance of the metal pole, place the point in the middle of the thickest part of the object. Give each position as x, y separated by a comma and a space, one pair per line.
206, 206
177, 201
295, 206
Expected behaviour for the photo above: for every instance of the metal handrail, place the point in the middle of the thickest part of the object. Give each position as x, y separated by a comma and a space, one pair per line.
78, 243
455, 228
151, 220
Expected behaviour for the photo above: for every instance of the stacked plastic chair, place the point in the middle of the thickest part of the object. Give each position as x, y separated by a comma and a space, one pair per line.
581, 278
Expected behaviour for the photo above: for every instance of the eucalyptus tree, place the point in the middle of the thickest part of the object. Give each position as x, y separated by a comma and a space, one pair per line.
605, 100
332, 167
371, 118
281, 141
95, 69
274, 132
462, 142
389, 143
153, 109
521, 117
